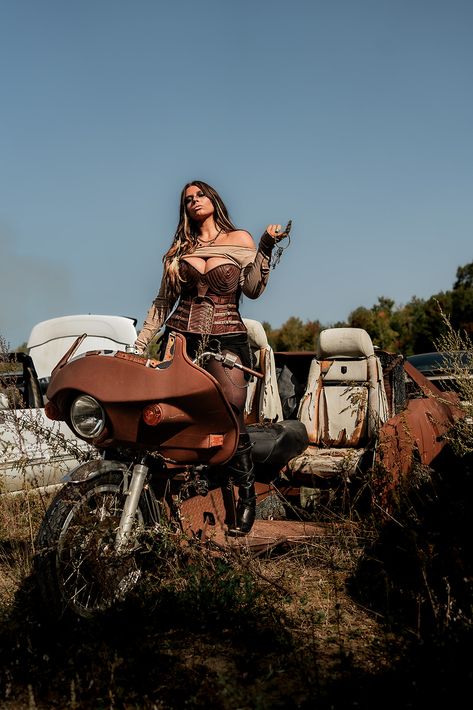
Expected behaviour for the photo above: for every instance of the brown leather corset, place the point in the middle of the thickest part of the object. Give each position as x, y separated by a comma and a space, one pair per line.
209, 301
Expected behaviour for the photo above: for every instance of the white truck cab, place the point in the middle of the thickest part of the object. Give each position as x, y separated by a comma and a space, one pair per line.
36, 452
50, 339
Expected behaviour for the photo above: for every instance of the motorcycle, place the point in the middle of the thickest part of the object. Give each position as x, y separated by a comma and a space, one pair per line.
163, 432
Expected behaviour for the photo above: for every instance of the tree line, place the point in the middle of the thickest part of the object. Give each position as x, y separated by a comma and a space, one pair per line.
409, 329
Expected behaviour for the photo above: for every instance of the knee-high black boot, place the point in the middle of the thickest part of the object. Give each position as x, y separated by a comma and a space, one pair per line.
241, 472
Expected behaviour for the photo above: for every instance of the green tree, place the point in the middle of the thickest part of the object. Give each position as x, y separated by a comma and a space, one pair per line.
433, 323
407, 321
361, 317
378, 322
464, 277
462, 300
295, 335
409, 329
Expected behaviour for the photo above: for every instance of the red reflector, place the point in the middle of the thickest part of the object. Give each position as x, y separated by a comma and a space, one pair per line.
215, 440
152, 414
51, 411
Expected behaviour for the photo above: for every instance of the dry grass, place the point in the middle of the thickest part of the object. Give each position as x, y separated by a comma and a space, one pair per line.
285, 630
370, 613
20, 517
251, 632
460, 368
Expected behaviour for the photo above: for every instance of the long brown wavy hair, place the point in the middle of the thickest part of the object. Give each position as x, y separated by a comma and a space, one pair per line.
185, 237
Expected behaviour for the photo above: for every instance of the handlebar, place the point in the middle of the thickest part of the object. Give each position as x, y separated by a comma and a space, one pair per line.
228, 360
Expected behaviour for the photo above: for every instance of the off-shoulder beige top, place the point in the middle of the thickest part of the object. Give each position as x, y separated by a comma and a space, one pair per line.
254, 274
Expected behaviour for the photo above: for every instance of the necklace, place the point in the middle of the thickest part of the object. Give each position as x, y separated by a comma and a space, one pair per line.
210, 241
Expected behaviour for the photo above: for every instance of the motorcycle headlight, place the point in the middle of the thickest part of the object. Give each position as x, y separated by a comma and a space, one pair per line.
87, 416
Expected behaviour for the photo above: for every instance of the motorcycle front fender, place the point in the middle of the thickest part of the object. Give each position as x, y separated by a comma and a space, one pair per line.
91, 469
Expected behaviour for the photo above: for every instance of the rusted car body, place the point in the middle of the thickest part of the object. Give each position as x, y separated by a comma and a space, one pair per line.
420, 431
406, 417
371, 417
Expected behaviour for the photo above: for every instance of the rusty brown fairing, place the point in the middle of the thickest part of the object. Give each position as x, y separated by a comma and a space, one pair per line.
197, 425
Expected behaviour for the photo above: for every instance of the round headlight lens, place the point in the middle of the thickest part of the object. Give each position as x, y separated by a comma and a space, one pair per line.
87, 416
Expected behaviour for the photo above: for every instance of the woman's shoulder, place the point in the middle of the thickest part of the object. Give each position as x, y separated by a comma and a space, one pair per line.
241, 238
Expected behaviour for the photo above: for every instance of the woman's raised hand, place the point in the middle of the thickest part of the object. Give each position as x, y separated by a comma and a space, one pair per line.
274, 231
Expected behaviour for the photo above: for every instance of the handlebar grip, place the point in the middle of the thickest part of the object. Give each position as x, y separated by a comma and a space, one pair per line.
251, 372
229, 360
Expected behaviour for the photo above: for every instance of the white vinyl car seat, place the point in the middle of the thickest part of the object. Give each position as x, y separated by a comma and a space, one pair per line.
345, 400
263, 403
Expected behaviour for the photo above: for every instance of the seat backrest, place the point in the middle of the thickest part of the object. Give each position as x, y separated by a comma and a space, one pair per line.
262, 399
344, 402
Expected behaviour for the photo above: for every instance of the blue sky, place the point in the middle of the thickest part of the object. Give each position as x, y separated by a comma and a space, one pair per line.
352, 117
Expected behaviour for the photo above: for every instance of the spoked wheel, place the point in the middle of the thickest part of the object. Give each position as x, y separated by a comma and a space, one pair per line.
79, 567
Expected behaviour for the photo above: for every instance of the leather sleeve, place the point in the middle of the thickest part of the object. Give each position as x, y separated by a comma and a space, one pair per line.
256, 274
157, 314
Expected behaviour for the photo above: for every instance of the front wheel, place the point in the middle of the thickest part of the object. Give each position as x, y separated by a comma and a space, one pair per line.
78, 566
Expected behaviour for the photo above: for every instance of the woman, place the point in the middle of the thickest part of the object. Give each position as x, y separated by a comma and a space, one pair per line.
209, 264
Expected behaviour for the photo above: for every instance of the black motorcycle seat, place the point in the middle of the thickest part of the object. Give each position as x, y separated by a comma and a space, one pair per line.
275, 444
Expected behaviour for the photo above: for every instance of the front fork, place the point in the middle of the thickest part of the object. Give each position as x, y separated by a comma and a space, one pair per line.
138, 478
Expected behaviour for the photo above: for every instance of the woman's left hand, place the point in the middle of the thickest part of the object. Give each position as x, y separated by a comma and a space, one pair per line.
274, 231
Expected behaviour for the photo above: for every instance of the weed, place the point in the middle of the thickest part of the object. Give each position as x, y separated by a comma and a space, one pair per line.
458, 367
373, 611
